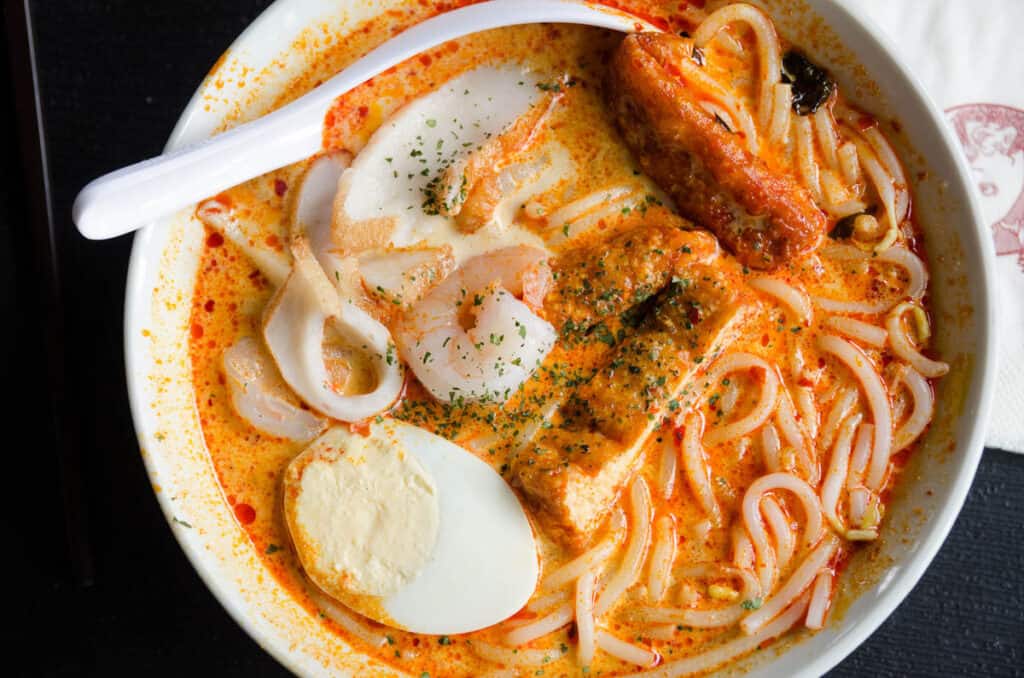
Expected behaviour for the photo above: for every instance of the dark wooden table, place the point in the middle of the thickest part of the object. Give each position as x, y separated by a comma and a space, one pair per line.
114, 76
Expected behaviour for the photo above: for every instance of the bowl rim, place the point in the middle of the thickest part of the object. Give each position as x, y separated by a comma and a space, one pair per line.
968, 451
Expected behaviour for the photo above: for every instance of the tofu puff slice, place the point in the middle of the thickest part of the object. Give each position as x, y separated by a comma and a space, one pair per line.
573, 473
602, 280
766, 218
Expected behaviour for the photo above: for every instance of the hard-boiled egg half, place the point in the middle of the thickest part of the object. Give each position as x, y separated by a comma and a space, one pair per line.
409, 529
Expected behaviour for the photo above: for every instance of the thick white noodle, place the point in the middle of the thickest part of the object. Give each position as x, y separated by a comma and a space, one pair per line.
707, 619
861, 455
778, 523
761, 411
695, 466
904, 348
782, 102
627, 652
730, 650
897, 255
887, 156
838, 469
768, 51
924, 407
742, 549
513, 656
808, 411
865, 333
348, 620
549, 600
549, 623
837, 200
751, 507
785, 417
795, 300
592, 559
860, 499
881, 179
771, 446
636, 547
878, 403
798, 582
849, 163
663, 554
821, 596
806, 162
585, 624
841, 408
825, 130
668, 465
578, 216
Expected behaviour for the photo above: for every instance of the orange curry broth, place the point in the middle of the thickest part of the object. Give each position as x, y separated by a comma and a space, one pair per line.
230, 295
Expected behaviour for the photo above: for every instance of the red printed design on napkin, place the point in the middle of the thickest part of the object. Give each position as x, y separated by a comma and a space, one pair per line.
993, 139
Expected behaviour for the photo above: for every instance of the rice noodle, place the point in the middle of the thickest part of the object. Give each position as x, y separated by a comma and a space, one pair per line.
636, 547
861, 455
588, 560
585, 618
778, 523
849, 163
663, 553
924, 407
696, 468
782, 102
820, 598
880, 178
877, 399
837, 200
798, 582
897, 255
548, 601
347, 620
573, 218
732, 649
627, 652
806, 163
751, 507
707, 619
786, 419
767, 48
841, 408
904, 348
792, 298
512, 656
539, 628
771, 446
765, 405
887, 156
668, 464
742, 549
860, 497
808, 411
838, 470
865, 333
825, 130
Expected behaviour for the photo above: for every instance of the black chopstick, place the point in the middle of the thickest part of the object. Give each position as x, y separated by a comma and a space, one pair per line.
44, 263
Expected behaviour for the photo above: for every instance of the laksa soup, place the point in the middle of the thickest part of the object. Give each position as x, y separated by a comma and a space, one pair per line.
573, 352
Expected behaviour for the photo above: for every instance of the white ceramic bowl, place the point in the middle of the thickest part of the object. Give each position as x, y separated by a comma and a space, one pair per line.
282, 43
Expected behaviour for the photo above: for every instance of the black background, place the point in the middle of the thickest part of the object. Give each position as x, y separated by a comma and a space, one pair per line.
114, 77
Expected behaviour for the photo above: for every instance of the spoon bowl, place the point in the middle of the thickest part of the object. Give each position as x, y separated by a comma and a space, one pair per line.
129, 198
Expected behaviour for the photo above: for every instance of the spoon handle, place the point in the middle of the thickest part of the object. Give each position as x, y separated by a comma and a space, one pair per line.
129, 198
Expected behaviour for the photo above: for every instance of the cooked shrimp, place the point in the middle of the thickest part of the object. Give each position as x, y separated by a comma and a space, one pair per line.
471, 338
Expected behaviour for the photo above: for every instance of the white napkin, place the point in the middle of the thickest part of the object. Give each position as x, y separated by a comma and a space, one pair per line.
968, 54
